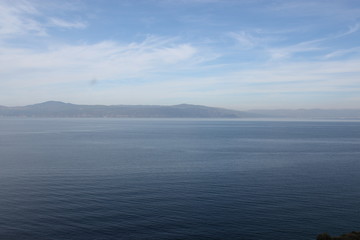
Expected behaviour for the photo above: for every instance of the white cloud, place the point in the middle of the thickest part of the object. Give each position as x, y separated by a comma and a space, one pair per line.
245, 39
271, 81
66, 24
20, 18
288, 51
342, 52
306, 72
312, 46
17, 18
352, 29
104, 60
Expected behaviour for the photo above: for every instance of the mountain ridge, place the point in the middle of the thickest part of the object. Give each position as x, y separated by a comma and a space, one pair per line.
61, 109
58, 109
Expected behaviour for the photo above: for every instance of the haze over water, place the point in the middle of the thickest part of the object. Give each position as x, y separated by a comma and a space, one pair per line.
177, 179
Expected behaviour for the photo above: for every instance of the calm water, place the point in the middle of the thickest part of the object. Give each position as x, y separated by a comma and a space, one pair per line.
83, 179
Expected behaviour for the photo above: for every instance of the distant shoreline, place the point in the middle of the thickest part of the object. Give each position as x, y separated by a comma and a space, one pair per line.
55, 109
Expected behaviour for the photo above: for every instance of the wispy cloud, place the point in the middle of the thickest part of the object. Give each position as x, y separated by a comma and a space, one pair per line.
288, 51
314, 45
245, 39
17, 18
66, 24
342, 52
20, 18
271, 82
105, 60
352, 29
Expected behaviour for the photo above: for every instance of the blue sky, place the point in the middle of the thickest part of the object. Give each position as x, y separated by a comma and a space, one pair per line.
240, 54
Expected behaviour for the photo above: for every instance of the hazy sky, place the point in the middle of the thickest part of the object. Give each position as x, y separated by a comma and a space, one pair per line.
240, 54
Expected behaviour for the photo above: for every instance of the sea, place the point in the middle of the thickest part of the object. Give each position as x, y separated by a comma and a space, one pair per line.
190, 179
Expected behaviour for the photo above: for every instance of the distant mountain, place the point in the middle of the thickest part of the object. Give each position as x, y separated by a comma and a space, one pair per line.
54, 109
60, 109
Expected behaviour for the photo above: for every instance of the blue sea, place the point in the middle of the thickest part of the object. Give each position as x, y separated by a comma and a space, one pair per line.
106, 179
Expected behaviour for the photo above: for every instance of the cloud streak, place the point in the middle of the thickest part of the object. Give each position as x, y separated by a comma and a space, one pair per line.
106, 60
17, 18
66, 24
23, 18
